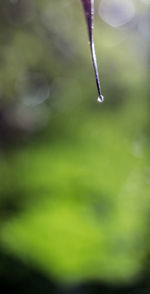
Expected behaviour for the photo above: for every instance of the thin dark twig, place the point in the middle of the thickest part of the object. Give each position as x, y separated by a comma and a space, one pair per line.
88, 6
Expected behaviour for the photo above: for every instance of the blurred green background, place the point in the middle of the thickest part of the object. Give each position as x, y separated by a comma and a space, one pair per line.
74, 174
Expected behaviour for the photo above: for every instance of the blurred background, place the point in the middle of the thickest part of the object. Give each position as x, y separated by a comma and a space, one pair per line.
74, 174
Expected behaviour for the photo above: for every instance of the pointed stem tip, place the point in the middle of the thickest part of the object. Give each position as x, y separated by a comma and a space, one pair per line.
88, 6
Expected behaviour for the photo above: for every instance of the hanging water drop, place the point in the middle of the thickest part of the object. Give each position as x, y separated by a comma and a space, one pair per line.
88, 6
100, 99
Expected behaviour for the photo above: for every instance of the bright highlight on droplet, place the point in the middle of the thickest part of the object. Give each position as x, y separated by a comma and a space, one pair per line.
100, 99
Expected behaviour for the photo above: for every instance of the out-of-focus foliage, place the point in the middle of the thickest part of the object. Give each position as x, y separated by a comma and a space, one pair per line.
74, 175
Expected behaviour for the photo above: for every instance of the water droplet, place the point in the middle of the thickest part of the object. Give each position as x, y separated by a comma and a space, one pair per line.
100, 99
